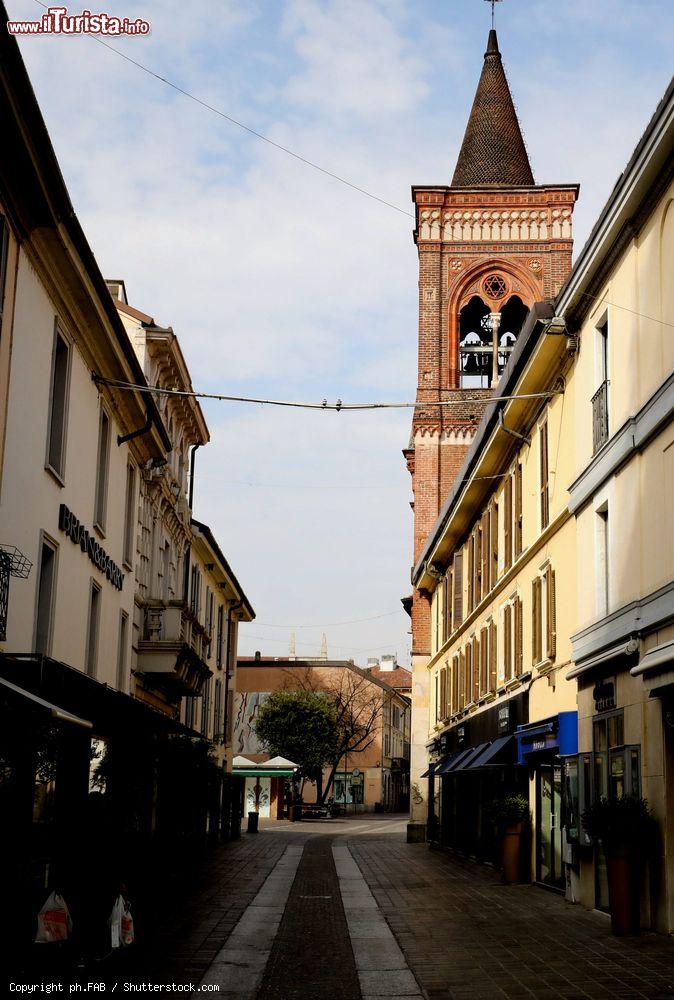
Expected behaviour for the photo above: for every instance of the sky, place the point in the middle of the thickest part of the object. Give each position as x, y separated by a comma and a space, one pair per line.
281, 282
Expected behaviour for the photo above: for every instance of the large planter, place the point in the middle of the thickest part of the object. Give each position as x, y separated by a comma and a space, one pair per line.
513, 842
624, 890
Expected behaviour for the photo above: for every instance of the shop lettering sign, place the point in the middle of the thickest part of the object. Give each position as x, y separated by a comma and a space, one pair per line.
504, 718
538, 745
79, 535
604, 695
461, 735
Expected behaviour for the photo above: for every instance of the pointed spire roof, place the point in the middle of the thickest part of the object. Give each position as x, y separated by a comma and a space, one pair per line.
493, 150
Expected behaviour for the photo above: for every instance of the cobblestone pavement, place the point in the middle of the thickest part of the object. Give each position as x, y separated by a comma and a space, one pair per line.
359, 914
466, 936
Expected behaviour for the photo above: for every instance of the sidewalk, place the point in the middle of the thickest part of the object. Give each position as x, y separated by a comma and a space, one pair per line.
466, 936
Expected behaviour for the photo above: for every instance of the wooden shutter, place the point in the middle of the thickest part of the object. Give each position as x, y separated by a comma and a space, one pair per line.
508, 522
551, 613
507, 643
471, 571
457, 616
517, 628
536, 637
465, 676
456, 660
518, 509
492, 657
476, 668
447, 607
486, 553
443, 693
493, 536
545, 509
477, 590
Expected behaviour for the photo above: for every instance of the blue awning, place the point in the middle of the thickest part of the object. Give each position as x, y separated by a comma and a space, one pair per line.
558, 734
493, 754
471, 756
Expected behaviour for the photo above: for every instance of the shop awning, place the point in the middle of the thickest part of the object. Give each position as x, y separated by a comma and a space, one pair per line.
60, 714
501, 751
468, 758
618, 652
655, 659
263, 772
447, 763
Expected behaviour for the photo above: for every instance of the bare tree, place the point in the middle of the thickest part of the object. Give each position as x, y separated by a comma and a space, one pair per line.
358, 701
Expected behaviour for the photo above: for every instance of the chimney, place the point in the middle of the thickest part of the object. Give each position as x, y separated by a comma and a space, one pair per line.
388, 662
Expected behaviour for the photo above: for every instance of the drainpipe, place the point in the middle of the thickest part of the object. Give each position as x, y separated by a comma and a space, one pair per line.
509, 430
122, 439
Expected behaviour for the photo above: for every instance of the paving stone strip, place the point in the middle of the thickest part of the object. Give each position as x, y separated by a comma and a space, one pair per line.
381, 965
312, 957
238, 968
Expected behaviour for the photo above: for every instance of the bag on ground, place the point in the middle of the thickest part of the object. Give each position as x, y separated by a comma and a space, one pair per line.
53, 920
121, 924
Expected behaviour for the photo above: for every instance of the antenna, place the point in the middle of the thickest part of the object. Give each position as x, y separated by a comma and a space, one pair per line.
493, 3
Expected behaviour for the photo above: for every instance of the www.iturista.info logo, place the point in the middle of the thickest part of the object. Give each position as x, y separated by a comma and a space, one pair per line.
57, 21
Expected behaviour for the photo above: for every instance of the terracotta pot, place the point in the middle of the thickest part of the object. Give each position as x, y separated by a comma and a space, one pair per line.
511, 852
624, 890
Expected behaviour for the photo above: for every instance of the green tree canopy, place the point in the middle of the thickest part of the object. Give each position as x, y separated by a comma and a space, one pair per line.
301, 726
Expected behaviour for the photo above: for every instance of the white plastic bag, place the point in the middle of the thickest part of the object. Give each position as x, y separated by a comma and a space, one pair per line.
121, 924
53, 920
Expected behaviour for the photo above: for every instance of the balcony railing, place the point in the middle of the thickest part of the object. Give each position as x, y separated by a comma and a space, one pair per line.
174, 646
600, 417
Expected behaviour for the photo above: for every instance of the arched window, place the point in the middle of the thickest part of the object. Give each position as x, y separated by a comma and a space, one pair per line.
475, 345
513, 315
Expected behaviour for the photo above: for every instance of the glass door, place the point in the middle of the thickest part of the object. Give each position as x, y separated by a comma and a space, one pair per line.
549, 869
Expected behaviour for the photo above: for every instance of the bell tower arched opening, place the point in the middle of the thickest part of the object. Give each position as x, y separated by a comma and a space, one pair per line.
486, 340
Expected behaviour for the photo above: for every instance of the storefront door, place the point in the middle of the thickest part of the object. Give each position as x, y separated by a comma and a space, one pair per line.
549, 870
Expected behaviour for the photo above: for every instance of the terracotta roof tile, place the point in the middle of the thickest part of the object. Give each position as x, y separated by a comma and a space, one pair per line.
493, 150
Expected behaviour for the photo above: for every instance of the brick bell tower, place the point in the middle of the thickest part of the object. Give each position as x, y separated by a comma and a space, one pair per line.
490, 244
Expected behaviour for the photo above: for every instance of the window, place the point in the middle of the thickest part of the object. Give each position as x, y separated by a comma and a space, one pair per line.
122, 651
476, 668
484, 660
217, 711
102, 470
4, 249
600, 398
190, 712
492, 657
517, 526
486, 552
507, 643
477, 588
544, 617
58, 405
129, 514
195, 592
457, 616
493, 536
206, 707
219, 637
545, 498
46, 592
93, 628
455, 683
443, 693
471, 572
508, 522
603, 550
511, 661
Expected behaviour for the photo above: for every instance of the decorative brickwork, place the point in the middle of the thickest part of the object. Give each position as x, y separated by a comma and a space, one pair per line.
495, 239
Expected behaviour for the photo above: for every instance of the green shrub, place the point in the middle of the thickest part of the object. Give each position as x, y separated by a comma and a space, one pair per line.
509, 810
623, 822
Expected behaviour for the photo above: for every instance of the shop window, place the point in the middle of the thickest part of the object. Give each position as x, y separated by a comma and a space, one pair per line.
612, 769
571, 799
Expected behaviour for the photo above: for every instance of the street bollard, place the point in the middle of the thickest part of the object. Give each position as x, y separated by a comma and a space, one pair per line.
253, 818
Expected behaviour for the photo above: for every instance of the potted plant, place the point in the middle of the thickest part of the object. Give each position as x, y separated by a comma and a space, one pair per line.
511, 816
622, 827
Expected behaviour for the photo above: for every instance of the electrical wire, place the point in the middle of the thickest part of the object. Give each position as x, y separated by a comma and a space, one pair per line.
339, 406
351, 621
244, 127
298, 642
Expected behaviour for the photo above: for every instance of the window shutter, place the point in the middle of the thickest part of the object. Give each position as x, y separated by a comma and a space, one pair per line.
448, 691
551, 613
493, 534
536, 637
456, 660
545, 511
471, 571
517, 627
464, 675
476, 668
486, 553
447, 607
457, 617
492, 657
507, 643
518, 509
508, 522
477, 590
443, 692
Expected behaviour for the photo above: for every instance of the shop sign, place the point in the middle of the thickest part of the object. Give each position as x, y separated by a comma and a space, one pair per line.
504, 718
538, 745
604, 695
461, 735
79, 535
